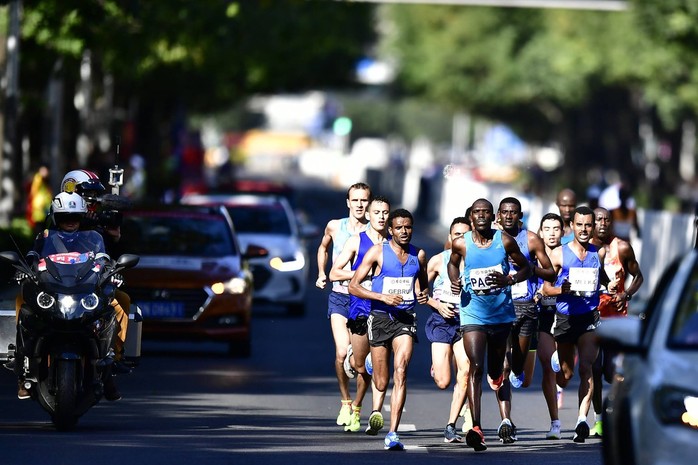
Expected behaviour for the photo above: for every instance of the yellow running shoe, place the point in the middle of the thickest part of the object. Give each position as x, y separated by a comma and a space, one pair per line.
355, 424
597, 430
344, 417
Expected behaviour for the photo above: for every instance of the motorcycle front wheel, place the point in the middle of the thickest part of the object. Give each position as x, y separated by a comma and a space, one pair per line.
66, 395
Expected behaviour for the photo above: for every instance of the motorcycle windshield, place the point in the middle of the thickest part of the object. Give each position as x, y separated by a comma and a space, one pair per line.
71, 262
57, 242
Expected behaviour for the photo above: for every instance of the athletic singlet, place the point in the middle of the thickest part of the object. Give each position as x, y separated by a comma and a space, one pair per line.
341, 237
614, 269
524, 290
357, 305
583, 275
442, 285
396, 278
480, 303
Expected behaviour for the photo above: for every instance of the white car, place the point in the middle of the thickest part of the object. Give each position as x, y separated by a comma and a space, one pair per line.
651, 411
281, 277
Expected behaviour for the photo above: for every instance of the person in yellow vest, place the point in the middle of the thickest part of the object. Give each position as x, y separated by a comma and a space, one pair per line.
39, 199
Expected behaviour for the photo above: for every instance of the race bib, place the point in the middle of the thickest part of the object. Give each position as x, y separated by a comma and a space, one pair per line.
447, 296
519, 290
399, 286
478, 277
548, 300
367, 284
584, 280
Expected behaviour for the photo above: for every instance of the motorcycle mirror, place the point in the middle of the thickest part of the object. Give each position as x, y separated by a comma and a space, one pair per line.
128, 260
10, 257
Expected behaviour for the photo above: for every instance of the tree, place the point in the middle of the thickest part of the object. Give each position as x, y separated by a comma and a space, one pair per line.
554, 75
170, 58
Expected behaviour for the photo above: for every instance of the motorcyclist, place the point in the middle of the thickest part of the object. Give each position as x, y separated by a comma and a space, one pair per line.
67, 212
87, 184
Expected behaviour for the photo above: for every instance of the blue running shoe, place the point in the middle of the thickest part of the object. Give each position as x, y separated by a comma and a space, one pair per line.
517, 381
369, 365
392, 442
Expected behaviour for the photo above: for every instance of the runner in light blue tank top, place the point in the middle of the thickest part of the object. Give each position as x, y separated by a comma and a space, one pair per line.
487, 310
482, 302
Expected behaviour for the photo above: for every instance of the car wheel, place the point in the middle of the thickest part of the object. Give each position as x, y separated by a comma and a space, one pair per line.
296, 309
241, 349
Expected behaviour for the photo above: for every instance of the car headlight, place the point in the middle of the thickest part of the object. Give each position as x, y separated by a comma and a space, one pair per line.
233, 286
45, 300
678, 406
294, 263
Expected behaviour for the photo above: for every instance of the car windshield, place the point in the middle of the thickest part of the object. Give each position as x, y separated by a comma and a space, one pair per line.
266, 219
188, 235
684, 330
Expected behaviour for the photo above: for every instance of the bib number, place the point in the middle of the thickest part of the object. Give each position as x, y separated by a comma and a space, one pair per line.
479, 278
584, 281
399, 286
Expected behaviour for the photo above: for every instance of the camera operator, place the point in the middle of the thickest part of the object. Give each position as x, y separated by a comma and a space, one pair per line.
104, 217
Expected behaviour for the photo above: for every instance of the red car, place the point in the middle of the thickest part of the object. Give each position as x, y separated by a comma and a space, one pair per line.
192, 281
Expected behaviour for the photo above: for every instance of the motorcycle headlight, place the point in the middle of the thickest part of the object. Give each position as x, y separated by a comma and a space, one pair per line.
289, 263
67, 304
45, 300
90, 302
233, 286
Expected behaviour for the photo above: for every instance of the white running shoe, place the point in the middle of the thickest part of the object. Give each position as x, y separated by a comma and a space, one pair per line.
554, 432
348, 369
467, 418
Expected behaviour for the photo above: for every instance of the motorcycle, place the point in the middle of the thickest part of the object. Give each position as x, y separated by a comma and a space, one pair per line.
66, 326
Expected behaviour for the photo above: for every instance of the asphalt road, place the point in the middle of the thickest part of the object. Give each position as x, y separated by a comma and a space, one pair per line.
191, 404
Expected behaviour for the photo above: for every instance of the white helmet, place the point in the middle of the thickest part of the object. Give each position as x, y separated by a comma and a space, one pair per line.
68, 203
80, 181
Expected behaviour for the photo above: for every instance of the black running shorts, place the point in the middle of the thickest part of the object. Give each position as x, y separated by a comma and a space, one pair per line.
384, 327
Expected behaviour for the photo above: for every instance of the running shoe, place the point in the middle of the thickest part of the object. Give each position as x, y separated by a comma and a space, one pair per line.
476, 439
517, 381
348, 369
344, 417
375, 423
554, 432
392, 442
495, 384
355, 424
555, 362
450, 434
581, 431
506, 432
597, 430
369, 365
467, 418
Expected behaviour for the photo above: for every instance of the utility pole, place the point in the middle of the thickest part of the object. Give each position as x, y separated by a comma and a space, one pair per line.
10, 158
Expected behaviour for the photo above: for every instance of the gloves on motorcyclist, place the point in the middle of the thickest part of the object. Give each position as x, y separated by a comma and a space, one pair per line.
117, 280
20, 276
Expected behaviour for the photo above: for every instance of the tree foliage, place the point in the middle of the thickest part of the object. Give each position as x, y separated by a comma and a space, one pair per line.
501, 62
201, 55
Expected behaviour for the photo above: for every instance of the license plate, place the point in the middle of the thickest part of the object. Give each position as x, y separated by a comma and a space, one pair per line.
162, 309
